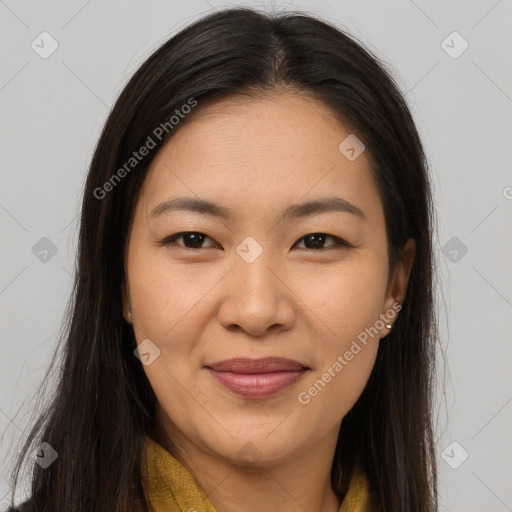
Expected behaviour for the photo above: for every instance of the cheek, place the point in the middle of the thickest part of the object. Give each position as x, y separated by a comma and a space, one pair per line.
165, 294
168, 307
348, 302
346, 299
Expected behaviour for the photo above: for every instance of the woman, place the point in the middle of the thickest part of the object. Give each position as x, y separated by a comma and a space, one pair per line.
252, 325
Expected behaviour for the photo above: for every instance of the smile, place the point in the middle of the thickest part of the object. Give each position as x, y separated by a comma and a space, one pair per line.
259, 378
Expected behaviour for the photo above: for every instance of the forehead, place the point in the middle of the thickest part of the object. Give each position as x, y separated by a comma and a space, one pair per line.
257, 151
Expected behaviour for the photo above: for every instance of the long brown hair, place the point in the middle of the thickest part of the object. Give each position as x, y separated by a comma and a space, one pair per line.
103, 406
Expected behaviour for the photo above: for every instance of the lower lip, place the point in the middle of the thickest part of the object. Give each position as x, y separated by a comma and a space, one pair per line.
257, 385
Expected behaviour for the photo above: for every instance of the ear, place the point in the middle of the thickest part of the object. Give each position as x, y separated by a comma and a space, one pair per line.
397, 285
126, 301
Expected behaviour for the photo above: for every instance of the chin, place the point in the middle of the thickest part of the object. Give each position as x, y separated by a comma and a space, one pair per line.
256, 450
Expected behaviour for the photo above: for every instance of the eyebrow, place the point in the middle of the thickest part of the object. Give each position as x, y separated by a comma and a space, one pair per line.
299, 210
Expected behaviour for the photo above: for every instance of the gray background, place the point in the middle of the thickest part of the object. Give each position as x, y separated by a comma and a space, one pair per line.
52, 113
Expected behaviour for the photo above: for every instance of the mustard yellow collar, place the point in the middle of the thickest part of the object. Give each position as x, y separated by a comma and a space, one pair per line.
171, 488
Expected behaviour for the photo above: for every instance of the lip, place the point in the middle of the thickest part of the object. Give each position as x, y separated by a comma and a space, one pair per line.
257, 378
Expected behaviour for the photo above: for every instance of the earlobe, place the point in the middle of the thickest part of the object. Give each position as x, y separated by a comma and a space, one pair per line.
126, 302
398, 284
400, 279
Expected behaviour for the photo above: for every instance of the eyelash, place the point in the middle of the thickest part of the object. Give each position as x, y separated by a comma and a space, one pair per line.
340, 243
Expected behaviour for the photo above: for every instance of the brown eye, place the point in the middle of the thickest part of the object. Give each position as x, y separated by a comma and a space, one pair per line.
191, 239
316, 241
194, 240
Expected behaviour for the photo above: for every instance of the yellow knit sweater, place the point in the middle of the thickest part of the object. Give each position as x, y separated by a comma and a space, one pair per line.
171, 487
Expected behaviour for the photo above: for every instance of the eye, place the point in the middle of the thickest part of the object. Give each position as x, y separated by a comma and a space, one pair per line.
191, 239
195, 239
314, 240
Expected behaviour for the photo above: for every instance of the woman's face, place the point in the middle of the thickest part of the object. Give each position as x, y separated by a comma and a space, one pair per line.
249, 283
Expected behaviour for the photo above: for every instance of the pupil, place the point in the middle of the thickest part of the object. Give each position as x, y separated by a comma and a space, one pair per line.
310, 238
195, 238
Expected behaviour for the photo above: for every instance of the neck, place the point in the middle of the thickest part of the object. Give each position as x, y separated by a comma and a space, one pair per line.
299, 483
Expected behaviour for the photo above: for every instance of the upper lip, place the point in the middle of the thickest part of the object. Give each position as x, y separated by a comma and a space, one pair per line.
263, 365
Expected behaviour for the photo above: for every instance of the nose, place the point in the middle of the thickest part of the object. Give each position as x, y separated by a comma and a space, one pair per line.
256, 297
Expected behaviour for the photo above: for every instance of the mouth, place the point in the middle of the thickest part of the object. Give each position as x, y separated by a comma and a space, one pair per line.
257, 378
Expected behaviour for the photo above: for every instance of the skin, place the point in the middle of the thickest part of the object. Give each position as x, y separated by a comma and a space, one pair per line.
258, 156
